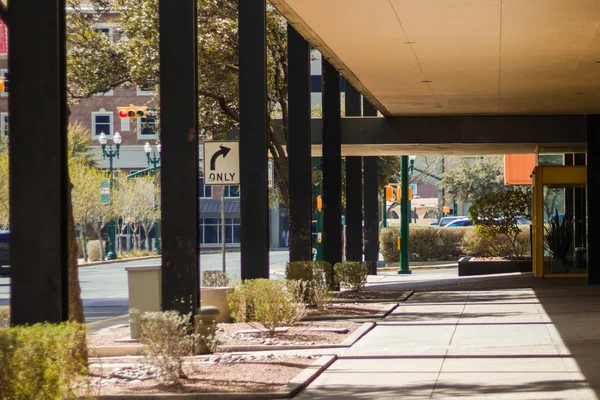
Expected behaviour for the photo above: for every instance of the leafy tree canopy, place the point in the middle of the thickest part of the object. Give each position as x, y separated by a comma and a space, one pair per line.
495, 213
468, 182
97, 64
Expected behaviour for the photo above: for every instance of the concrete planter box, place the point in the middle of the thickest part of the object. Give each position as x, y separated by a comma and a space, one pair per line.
217, 297
466, 267
144, 294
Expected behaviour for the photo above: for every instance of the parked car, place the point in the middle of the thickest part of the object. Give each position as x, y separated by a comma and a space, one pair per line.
457, 223
446, 220
4, 237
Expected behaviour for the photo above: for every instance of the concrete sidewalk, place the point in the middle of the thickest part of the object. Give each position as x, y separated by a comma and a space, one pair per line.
501, 337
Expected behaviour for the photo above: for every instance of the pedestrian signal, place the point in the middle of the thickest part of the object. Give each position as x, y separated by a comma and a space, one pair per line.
132, 111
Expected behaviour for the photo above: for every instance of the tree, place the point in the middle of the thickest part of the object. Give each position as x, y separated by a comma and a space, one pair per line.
495, 213
96, 64
89, 207
468, 182
122, 202
4, 208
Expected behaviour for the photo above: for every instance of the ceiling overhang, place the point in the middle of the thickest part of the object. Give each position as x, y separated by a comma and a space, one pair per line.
460, 57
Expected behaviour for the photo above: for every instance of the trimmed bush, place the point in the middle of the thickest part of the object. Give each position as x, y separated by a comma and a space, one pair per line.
215, 279
4, 317
314, 280
352, 274
94, 251
268, 303
388, 241
40, 361
79, 247
478, 245
167, 338
426, 243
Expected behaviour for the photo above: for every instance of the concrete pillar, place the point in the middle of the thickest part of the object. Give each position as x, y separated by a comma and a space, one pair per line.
593, 185
180, 280
332, 164
299, 147
354, 242
38, 161
254, 201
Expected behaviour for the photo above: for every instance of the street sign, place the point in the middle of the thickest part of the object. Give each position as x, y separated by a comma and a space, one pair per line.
221, 162
270, 174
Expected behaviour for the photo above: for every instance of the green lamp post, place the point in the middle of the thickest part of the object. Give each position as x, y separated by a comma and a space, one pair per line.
110, 153
154, 160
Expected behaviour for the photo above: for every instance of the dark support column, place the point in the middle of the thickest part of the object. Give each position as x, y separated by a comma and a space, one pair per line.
299, 149
353, 187
38, 162
368, 109
569, 191
593, 186
332, 164
580, 223
179, 157
371, 204
253, 140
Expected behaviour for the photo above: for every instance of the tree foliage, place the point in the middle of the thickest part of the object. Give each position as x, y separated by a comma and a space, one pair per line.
468, 182
496, 212
96, 64
4, 208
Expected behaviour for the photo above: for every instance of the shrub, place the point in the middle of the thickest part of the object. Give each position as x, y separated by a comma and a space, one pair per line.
388, 241
4, 317
94, 251
477, 245
79, 247
426, 243
268, 303
167, 338
215, 279
496, 213
40, 361
352, 274
314, 280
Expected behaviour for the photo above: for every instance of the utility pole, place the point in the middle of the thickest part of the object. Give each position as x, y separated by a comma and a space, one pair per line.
223, 245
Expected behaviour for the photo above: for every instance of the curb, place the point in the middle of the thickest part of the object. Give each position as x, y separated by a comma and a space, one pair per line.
295, 386
92, 263
399, 299
115, 351
379, 314
424, 267
348, 342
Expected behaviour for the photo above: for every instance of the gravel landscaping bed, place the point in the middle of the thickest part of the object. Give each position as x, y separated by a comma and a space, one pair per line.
221, 374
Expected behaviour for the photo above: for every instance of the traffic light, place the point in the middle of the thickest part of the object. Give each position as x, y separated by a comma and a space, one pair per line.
389, 193
319, 203
132, 111
2, 84
410, 194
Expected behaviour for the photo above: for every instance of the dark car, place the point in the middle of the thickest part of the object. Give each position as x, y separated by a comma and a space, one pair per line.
4, 238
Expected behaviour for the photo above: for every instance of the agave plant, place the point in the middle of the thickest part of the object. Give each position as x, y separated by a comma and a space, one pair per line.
558, 238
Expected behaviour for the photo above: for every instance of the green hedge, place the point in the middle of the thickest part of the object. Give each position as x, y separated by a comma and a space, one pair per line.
426, 243
474, 244
441, 244
40, 361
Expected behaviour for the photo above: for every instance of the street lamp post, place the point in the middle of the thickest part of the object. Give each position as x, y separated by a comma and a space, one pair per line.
404, 215
154, 160
110, 153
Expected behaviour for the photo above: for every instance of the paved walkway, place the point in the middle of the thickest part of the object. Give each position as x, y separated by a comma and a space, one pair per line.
495, 337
